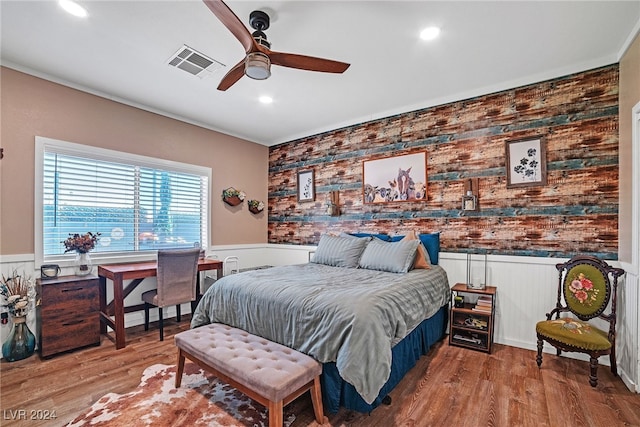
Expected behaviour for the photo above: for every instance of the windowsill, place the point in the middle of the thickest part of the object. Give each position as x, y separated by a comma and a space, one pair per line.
103, 258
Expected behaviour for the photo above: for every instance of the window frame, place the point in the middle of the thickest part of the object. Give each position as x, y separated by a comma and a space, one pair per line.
43, 144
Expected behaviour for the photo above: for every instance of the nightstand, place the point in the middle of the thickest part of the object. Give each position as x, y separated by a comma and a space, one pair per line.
68, 316
471, 323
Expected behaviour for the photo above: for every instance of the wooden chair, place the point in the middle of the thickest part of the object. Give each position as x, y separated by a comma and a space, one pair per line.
176, 283
585, 286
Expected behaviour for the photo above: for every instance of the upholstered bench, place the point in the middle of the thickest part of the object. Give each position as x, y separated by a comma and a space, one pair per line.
269, 373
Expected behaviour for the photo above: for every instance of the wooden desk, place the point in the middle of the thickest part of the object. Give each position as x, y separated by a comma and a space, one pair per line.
136, 272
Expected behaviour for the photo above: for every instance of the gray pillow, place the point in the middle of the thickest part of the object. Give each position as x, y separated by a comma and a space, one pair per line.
394, 257
339, 251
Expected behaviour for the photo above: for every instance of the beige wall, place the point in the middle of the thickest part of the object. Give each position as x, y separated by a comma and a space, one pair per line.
629, 96
32, 106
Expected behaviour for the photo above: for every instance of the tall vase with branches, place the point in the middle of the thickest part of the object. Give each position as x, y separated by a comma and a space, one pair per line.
18, 296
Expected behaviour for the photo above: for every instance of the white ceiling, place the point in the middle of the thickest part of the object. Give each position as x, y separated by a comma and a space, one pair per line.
121, 51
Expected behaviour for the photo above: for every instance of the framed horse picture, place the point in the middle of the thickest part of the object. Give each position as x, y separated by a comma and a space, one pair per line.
395, 179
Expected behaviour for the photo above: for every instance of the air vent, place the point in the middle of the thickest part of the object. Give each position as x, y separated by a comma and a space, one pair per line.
194, 62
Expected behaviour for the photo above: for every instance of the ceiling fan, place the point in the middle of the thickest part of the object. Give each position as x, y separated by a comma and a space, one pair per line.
259, 56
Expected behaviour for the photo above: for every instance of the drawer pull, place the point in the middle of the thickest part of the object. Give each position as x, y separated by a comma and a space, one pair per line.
72, 289
75, 322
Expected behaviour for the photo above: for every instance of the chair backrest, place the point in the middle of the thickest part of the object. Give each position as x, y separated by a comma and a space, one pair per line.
587, 284
177, 276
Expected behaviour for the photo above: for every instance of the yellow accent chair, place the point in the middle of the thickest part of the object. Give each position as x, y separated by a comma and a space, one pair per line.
586, 284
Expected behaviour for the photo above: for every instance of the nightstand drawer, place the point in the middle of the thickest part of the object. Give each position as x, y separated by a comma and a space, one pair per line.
69, 332
77, 297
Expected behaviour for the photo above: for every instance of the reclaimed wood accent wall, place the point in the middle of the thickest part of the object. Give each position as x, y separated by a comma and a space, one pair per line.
576, 212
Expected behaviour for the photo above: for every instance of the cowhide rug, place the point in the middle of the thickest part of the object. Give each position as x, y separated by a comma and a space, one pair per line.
201, 400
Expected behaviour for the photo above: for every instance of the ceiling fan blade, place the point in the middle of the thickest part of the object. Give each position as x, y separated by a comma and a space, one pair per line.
232, 76
310, 63
232, 22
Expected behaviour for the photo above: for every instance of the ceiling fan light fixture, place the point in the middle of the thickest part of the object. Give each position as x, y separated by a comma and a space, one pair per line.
430, 33
73, 8
257, 66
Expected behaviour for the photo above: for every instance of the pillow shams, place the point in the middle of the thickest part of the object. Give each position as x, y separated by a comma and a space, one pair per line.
422, 257
394, 257
339, 251
431, 242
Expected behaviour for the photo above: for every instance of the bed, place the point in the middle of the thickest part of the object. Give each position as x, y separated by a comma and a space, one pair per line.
348, 309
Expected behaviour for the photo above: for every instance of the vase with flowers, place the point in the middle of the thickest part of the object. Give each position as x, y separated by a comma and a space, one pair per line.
18, 294
81, 244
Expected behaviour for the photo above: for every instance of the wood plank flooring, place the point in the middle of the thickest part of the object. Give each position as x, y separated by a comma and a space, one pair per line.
450, 386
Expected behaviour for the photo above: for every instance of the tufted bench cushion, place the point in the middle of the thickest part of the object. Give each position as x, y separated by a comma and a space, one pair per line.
268, 372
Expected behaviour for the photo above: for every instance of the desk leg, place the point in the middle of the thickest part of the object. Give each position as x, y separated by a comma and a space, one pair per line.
103, 304
118, 314
195, 302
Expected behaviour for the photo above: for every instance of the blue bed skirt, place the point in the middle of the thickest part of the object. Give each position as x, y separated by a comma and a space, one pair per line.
336, 392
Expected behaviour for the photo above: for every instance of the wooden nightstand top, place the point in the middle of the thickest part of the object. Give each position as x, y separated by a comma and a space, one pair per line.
462, 287
65, 279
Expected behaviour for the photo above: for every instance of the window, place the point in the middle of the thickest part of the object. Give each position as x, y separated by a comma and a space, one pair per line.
138, 204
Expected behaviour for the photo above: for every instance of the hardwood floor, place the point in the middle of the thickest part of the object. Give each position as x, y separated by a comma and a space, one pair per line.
450, 386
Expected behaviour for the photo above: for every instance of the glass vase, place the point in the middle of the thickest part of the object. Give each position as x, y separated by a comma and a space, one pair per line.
83, 265
20, 343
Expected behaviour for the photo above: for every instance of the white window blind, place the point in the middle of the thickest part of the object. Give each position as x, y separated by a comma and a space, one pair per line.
136, 203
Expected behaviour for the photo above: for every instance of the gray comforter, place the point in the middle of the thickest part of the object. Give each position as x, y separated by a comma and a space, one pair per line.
349, 316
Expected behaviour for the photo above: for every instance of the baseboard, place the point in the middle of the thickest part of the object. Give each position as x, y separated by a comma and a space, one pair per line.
628, 381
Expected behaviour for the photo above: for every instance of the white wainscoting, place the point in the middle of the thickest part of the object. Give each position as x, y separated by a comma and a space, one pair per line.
628, 329
527, 289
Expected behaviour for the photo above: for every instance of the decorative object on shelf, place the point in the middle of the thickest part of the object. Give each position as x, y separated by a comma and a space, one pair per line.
526, 162
255, 206
49, 271
306, 186
82, 264
18, 294
233, 197
477, 270
458, 301
82, 244
470, 197
333, 203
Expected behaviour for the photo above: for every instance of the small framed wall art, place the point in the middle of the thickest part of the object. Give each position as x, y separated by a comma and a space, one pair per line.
306, 186
526, 162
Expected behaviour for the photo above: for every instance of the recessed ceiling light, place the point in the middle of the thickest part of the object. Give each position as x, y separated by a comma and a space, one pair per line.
430, 33
73, 8
266, 99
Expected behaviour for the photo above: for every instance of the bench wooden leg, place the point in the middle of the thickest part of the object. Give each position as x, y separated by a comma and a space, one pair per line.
180, 368
275, 414
316, 399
